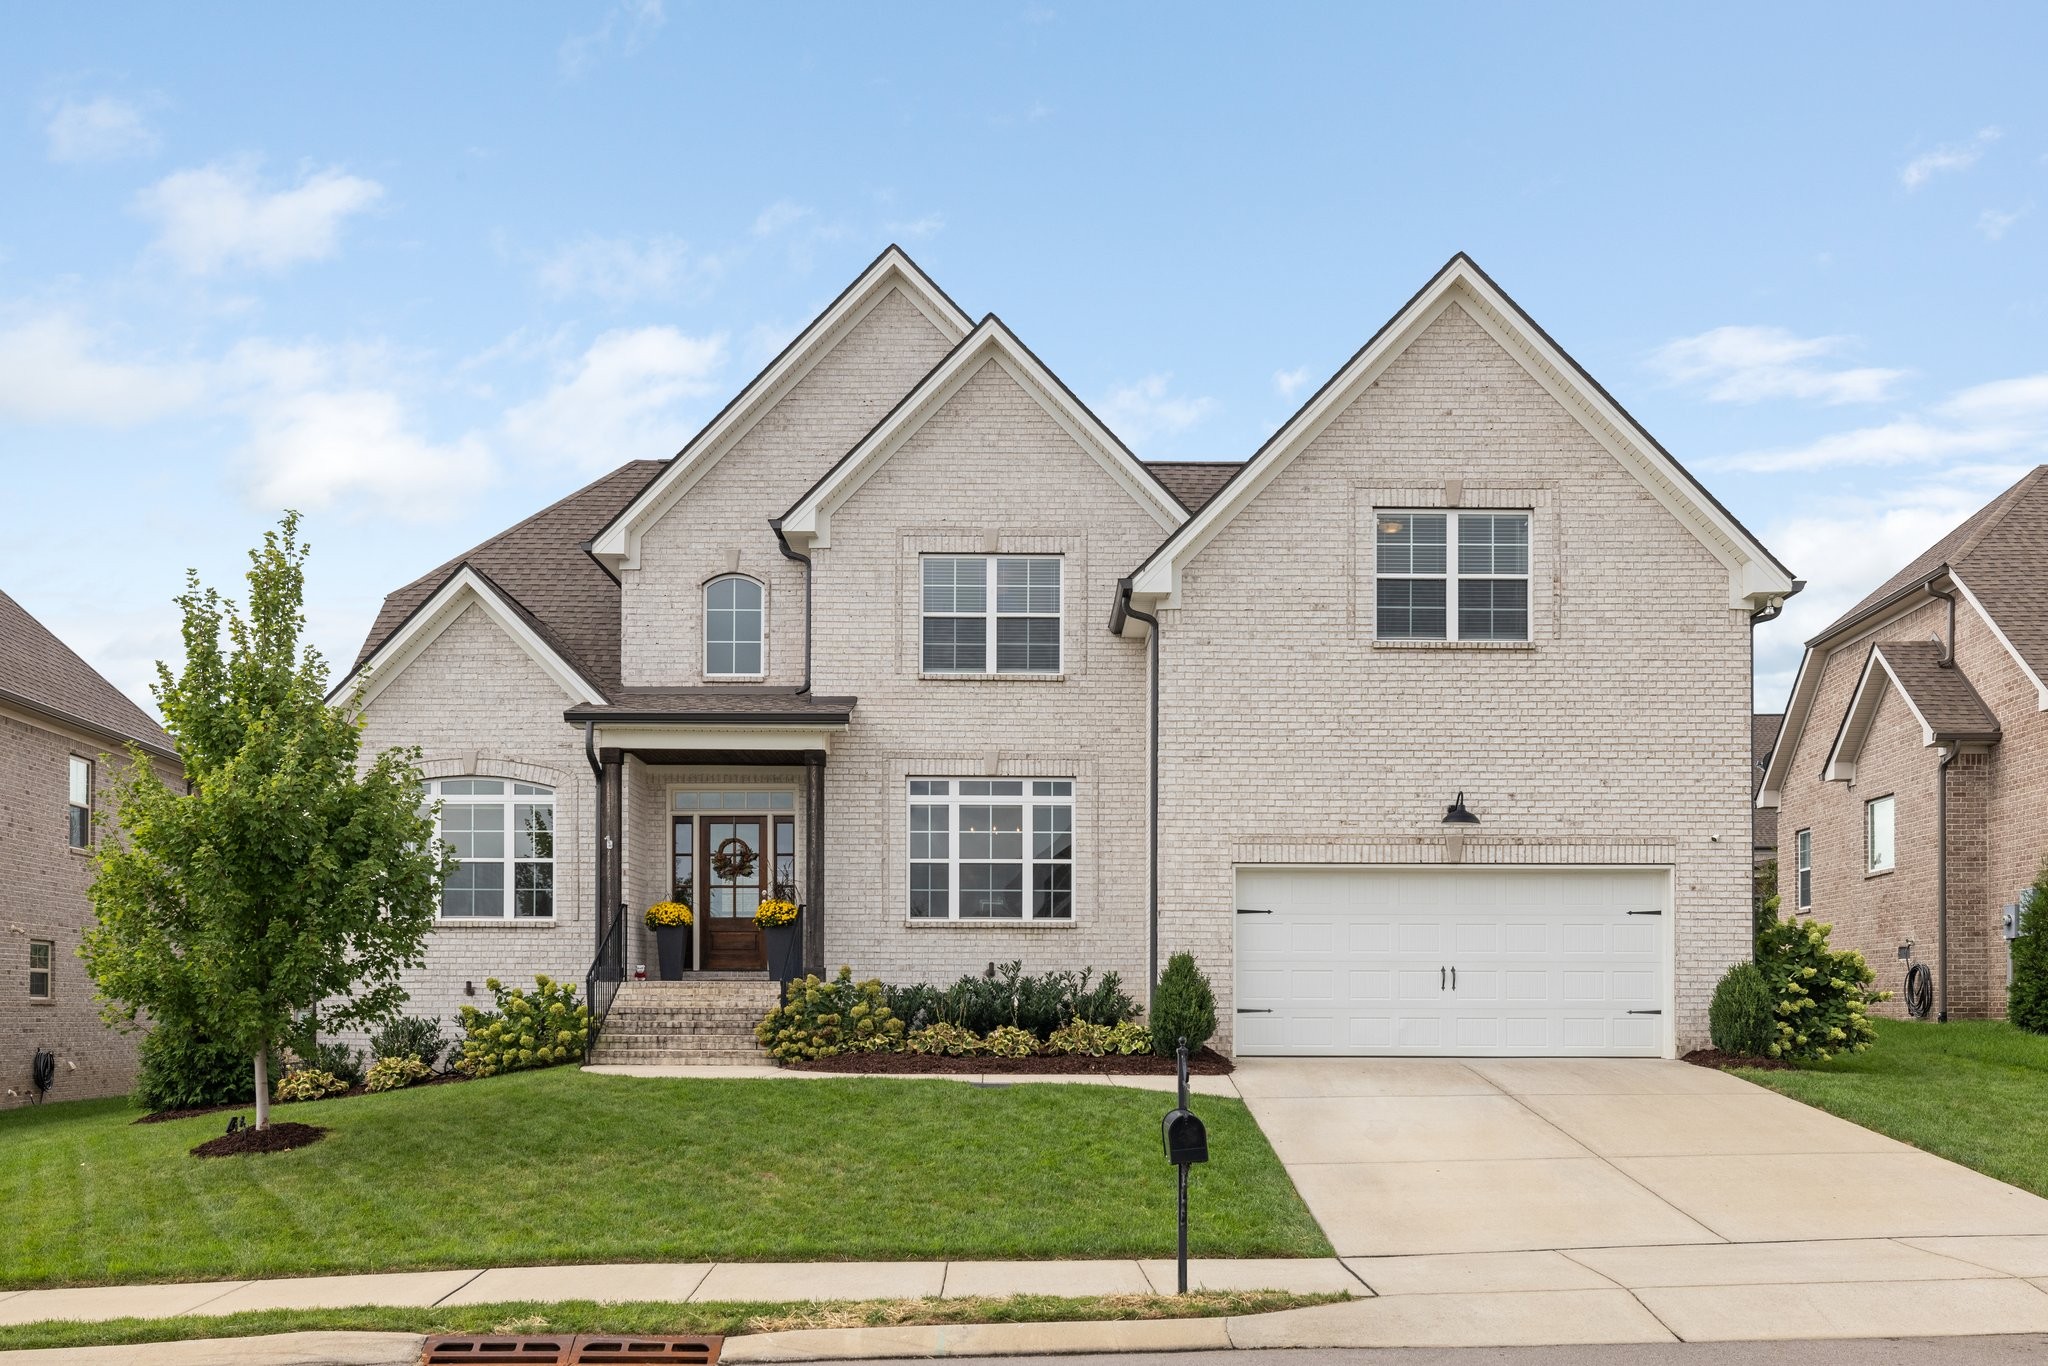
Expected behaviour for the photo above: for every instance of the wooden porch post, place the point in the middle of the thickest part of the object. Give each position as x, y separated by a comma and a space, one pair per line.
814, 861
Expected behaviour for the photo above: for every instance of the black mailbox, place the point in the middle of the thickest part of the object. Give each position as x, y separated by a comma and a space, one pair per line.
1186, 1140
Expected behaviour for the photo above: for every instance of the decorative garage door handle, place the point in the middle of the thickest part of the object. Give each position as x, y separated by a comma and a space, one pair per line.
1646, 1012
1255, 1010
1644, 912
1242, 911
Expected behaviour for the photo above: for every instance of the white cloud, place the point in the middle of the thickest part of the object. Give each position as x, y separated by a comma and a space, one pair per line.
221, 214
56, 369
930, 225
626, 28
1995, 223
620, 270
783, 213
2025, 399
1140, 411
1749, 364
1954, 156
102, 129
622, 399
1288, 383
314, 448
2004, 419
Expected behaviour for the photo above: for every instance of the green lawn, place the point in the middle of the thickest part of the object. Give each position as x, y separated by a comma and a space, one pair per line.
1972, 1091
583, 1316
566, 1166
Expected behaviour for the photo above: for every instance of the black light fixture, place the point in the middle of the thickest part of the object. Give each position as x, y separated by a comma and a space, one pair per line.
1456, 814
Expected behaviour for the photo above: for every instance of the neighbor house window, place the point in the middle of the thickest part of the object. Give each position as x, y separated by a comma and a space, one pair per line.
969, 629
81, 802
42, 958
732, 627
1802, 870
991, 849
1426, 592
1877, 833
504, 834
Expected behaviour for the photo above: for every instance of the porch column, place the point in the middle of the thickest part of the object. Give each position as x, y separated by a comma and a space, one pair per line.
814, 861
611, 848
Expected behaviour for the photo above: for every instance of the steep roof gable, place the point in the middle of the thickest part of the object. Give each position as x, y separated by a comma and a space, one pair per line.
1755, 576
1946, 706
42, 674
810, 517
617, 545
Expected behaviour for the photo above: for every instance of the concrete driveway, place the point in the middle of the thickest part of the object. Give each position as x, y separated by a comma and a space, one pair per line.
1636, 1200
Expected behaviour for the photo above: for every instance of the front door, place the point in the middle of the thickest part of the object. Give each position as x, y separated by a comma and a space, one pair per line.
733, 853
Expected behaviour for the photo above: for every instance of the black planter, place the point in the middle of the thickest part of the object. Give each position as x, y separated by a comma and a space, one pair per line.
672, 947
785, 946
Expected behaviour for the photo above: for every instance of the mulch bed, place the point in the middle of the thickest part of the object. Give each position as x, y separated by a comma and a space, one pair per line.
1207, 1063
1714, 1057
278, 1138
165, 1116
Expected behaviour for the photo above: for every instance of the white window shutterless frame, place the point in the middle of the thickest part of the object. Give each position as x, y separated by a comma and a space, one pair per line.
1802, 870
991, 849
504, 834
732, 627
1451, 575
967, 629
1879, 816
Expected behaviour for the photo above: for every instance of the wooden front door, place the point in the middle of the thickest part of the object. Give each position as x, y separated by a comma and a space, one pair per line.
733, 852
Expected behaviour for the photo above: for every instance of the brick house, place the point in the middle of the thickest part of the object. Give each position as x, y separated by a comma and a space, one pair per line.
907, 632
64, 732
1912, 801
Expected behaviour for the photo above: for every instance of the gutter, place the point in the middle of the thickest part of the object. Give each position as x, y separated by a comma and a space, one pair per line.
775, 525
1947, 661
597, 844
1121, 610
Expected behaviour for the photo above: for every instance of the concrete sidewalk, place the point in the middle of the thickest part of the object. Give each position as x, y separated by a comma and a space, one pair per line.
1197, 1085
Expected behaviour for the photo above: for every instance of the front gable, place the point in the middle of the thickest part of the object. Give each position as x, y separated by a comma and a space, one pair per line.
1461, 293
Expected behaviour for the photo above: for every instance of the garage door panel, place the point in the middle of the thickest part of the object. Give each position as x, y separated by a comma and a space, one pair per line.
1356, 960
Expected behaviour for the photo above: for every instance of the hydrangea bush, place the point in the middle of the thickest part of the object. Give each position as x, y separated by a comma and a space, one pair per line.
540, 1028
1820, 995
822, 1018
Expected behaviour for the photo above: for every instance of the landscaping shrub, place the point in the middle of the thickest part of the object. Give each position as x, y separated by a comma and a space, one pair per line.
2027, 1000
528, 1029
1742, 1018
409, 1037
1763, 900
184, 1070
391, 1074
820, 1019
335, 1058
1004, 994
1818, 995
947, 1040
1082, 1039
309, 1083
1183, 1007
1008, 1041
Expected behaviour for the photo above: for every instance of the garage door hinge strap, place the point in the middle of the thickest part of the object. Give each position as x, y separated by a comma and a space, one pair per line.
1646, 1012
1255, 1010
1645, 912
1242, 911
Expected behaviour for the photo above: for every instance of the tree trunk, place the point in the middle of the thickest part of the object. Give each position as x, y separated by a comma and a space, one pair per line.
262, 1089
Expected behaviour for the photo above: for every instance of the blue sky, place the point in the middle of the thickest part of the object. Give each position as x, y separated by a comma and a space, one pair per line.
419, 270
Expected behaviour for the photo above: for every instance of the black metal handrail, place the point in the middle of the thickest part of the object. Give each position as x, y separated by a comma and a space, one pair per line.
601, 983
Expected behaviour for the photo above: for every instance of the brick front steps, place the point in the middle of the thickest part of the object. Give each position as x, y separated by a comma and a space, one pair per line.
706, 1019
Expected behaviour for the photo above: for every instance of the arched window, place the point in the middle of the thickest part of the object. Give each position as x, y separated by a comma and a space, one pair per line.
732, 627
504, 834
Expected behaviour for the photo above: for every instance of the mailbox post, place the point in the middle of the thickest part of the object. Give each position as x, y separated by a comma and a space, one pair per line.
1187, 1143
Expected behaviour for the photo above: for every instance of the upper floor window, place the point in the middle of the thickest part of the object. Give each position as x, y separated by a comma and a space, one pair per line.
1014, 630
732, 627
1802, 870
504, 834
42, 962
81, 802
1877, 834
991, 849
1422, 594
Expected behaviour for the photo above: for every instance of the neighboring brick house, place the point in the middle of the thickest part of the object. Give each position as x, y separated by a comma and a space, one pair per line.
907, 632
1920, 712
64, 732
1763, 822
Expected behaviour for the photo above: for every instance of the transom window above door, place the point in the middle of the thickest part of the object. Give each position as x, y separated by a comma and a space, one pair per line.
970, 630
504, 834
1423, 593
732, 627
991, 849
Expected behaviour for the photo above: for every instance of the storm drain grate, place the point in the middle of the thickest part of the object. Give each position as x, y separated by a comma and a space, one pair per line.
587, 1349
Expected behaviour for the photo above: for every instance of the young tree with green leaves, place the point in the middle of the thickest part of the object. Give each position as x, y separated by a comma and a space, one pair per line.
281, 883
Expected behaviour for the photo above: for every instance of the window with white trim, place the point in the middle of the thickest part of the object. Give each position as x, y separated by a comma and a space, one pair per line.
42, 967
969, 630
504, 834
732, 627
1421, 593
991, 849
1878, 828
80, 829
1802, 870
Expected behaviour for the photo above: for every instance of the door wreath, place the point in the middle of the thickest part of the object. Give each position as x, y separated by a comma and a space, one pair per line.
732, 860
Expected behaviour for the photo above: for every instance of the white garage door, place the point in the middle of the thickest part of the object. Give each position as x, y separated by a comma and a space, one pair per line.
1448, 962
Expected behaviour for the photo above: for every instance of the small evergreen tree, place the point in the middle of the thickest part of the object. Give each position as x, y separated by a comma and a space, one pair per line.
1183, 1007
2027, 1000
1763, 884
276, 886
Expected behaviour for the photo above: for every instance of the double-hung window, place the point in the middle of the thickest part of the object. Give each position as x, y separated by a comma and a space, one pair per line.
504, 834
42, 965
1802, 870
969, 629
80, 831
1878, 817
1451, 575
991, 849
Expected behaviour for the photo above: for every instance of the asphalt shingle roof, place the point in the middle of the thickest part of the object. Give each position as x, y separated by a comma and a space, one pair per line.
41, 672
1942, 696
1194, 482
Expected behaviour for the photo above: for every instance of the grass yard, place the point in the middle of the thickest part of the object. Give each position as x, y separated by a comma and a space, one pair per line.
565, 1166
1972, 1091
583, 1316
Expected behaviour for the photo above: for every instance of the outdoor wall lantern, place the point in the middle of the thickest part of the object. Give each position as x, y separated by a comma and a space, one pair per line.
1456, 814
